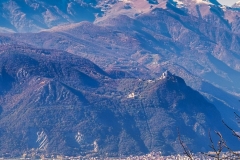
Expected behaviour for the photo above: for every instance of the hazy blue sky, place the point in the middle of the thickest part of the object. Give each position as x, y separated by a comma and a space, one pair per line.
227, 2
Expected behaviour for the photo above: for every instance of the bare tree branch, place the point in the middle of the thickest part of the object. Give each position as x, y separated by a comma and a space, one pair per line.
237, 117
217, 148
233, 132
186, 150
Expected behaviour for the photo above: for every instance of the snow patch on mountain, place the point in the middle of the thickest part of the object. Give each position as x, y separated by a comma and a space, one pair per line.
203, 1
179, 3
187, 3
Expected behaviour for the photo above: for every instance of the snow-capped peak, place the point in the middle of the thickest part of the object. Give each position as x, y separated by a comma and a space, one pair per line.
236, 5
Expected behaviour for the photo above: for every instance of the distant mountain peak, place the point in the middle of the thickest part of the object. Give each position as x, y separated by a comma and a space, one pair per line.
236, 5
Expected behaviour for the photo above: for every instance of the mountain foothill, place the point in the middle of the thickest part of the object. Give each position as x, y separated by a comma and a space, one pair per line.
117, 77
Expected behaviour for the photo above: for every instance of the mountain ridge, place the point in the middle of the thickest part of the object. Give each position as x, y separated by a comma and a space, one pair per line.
201, 52
34, 16
57, 112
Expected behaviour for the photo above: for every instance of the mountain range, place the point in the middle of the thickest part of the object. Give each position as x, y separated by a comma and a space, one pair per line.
35, 15
88, 77
198, 41
55, 102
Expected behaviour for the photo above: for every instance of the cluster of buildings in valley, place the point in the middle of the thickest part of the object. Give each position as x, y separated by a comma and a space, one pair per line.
150, 156
199, 156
